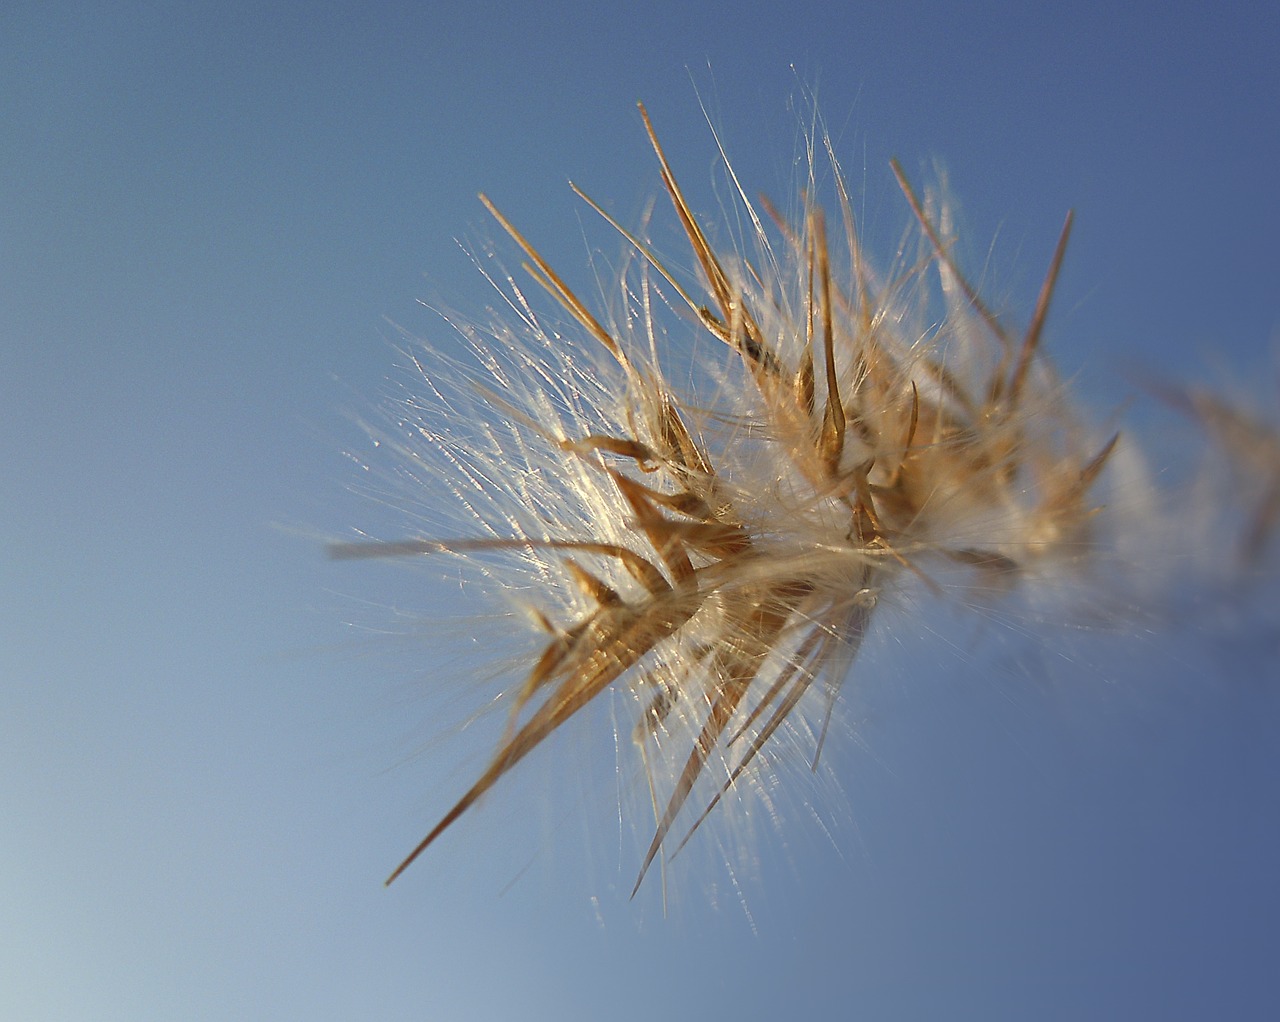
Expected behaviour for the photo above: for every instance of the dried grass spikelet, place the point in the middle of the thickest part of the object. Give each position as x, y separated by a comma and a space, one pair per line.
1248, 447
723, 556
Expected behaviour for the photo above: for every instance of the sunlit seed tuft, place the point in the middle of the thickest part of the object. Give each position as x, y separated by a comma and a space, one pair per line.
720, 548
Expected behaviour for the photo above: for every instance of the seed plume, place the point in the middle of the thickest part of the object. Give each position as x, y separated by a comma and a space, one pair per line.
719, 548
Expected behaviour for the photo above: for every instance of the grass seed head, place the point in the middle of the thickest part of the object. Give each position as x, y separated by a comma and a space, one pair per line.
720, 549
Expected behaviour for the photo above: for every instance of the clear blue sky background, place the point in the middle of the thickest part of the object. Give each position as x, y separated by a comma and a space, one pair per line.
208, 214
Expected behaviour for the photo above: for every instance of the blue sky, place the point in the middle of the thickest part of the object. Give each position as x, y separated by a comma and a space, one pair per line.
210, 216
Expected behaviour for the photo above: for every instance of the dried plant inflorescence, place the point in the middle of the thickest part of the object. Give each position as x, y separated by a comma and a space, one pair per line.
721, 556
1250, 447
